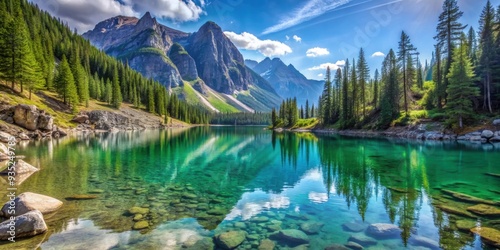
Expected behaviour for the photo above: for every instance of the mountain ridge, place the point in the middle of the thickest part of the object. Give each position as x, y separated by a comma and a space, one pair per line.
206, 57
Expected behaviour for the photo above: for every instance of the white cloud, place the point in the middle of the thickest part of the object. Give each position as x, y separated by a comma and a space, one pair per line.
324, 66
320, 75
312, 9
249, 41
317, 51
378, 54
84, 15
297, 38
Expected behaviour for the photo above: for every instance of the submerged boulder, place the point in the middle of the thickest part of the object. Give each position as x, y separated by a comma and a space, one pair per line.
485, 210
489, 235
28, 201
383, 230
230, 240
26, 225
293, 236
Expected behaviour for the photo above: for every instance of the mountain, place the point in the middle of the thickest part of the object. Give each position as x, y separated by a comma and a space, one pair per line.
287, 81
203, 67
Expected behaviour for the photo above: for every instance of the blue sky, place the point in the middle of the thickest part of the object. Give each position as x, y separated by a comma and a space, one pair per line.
309, 34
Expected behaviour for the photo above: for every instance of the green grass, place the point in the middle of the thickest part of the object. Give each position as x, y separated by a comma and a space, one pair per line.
221, 106
306, 123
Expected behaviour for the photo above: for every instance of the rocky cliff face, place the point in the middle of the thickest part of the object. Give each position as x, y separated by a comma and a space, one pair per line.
184, 62
288, 82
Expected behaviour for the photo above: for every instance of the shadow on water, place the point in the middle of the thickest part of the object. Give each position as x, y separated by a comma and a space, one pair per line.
208, 180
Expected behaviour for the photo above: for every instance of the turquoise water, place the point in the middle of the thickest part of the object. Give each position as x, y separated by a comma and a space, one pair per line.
199, 182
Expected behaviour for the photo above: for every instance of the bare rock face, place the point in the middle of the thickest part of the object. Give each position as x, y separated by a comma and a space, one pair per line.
184, 62
28, 201
26, 225
30, 118
105, 120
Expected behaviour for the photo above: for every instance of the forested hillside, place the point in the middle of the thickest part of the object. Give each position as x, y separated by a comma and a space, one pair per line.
39, 52
460, 85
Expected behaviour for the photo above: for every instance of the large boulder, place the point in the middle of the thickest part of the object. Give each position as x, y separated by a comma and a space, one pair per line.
26, 116
105, 120
424, 242
293, 236
487, 134
383, 230
81, 118
311, 227
230, 240
30, 118
496, 122
26, 225
28, 201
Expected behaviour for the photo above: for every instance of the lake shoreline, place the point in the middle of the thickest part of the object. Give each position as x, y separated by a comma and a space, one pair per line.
479, 136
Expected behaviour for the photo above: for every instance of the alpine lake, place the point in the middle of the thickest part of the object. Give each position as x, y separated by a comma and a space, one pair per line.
250, 188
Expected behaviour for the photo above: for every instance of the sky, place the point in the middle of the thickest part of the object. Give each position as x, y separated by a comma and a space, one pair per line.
310, 34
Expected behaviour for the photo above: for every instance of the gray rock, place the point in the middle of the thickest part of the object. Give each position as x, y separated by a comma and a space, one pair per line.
496, 122
383, 230
424, 242
24, 137
28, 201
336, 247
311, 227
26, 225
495, 139
184, 62
5, 137
476, 138
354, 245
363, 240
487, 134
353, 227
30, 118
267, 245
81, 118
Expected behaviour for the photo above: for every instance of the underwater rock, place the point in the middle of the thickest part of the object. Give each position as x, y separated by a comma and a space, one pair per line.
484, 210
294, 236
465, 225
96, 191
240, 225
189, 196
81, 197
28, 201
455, 211
267, 245
140, 225
353, 227
336, 247
138, 217
216, 211
493, 174
230, 240
259, 219
469, 198
424, 242
26, 225
363, 240
202, 244
311, 227
489, 235
383, 230
354, 245
138, 210
273, 227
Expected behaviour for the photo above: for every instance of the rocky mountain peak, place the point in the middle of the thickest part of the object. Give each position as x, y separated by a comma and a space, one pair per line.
146, 22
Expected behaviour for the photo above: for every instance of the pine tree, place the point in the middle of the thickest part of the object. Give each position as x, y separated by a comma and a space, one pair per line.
472, 42
326, 99
354, 111
337, 96
151, 99
274, 118
363, 76
108, 92
376, 89
345, 96
116, 95
420, 72
461, 86
437, 76
449, 31
307, 110
390, 99
406, 49
488, 53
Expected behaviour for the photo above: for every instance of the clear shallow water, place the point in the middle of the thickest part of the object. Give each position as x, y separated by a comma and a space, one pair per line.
203, 181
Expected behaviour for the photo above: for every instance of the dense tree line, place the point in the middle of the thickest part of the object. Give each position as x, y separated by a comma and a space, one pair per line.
256, 118
462, 78
39, 52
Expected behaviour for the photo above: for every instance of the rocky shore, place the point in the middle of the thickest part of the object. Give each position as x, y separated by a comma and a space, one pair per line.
421, 132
